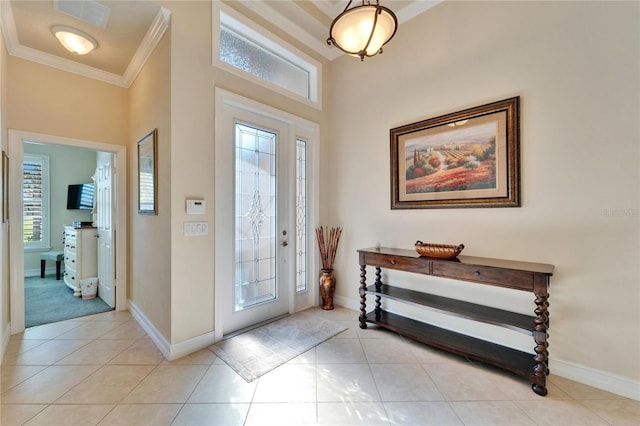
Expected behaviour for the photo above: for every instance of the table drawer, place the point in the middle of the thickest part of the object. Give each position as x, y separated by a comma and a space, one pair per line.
395, 262
519, 280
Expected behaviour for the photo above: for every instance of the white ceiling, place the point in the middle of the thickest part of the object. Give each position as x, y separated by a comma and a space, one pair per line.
134, 28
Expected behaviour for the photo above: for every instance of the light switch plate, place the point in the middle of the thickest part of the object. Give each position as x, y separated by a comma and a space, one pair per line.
196, 228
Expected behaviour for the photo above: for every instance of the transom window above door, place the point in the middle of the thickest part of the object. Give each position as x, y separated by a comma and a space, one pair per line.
246, 49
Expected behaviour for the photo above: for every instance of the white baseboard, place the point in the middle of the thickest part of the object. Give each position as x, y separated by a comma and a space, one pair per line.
609, 382
160, 341
170, 352
190, 346
6, 334
347, 303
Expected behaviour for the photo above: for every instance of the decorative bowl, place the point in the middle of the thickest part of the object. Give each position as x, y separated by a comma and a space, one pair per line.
440, 251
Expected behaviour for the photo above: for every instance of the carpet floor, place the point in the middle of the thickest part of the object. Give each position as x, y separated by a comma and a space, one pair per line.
48, 300
258, 351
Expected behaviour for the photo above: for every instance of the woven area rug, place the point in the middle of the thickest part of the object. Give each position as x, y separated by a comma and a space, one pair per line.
258, 351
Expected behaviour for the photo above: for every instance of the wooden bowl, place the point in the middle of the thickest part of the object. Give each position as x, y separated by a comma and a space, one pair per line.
440, 251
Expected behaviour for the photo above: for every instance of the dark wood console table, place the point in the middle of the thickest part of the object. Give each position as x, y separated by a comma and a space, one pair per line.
524, 276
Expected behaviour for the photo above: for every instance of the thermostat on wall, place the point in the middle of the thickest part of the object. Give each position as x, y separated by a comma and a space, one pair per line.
195, 207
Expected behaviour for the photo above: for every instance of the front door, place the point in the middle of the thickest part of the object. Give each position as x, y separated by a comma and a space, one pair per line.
253, 247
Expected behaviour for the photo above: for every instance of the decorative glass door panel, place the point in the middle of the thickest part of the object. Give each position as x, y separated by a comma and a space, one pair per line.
256, 236
301, 215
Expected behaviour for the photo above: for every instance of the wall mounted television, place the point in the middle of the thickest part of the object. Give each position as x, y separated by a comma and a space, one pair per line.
80, 197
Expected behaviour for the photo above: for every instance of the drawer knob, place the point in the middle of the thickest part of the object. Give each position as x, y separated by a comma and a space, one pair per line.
393, 261
476, 273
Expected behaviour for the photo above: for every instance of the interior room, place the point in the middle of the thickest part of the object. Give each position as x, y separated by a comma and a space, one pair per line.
67, 175
222, 172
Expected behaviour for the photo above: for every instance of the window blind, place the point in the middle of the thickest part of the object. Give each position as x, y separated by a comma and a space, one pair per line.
32, 188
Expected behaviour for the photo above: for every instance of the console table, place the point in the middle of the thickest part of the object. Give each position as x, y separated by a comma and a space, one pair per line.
523, 276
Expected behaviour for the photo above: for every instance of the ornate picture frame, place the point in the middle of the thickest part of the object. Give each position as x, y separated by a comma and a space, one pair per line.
468, 158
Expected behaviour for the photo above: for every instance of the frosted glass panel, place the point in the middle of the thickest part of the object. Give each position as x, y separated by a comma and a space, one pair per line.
248, 56
255, 221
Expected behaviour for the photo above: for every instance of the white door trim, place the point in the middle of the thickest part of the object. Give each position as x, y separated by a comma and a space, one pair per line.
298, 127
16, 245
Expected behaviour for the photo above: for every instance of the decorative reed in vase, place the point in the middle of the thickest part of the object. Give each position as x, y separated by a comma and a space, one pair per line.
328, 243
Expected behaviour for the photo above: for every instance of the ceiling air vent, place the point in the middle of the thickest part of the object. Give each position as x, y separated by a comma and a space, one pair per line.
87, 10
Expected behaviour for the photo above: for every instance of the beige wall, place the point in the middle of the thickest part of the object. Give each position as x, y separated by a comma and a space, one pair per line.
575, 67
150, 236
193, 81
66, 166
50, 101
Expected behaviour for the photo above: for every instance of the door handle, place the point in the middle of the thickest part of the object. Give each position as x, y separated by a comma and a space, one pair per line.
284, 244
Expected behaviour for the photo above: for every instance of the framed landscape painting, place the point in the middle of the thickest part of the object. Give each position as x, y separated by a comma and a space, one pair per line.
468, 158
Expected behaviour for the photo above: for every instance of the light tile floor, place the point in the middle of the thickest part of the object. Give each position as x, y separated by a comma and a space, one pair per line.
104, 370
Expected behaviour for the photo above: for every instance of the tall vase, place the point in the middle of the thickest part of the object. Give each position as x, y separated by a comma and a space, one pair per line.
327, 288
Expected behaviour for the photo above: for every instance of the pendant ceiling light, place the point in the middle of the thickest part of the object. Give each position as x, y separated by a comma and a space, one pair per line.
75, 41
363, 30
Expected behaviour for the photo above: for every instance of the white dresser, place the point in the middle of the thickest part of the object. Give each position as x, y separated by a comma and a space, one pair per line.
80, 256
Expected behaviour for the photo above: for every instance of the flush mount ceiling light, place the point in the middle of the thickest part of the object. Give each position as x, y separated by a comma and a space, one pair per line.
363, 30
75, 41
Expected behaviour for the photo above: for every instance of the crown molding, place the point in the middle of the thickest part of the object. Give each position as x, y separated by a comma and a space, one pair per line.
62, 64
9, 31
264, 10
415, 8
148, 44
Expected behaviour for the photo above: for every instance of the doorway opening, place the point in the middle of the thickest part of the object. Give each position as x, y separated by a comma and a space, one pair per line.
60, 227
91, 254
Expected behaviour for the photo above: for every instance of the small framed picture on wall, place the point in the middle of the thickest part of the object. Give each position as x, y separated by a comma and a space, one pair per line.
147, 174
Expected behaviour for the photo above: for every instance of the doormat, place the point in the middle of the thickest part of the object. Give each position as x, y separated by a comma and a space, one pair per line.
258, 351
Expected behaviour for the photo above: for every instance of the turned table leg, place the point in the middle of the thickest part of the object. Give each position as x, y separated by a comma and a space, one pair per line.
378, 284
540, 335
363, 297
